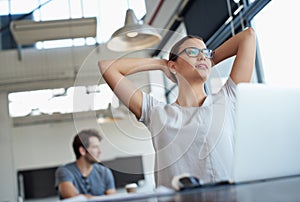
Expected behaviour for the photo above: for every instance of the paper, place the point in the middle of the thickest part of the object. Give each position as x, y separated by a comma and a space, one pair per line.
79, 198
160, 191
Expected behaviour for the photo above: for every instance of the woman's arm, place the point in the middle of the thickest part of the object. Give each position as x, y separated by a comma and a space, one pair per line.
114, 72
243, 45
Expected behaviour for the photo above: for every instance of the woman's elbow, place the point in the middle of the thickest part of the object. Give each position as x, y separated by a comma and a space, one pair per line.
251, 34
102, 64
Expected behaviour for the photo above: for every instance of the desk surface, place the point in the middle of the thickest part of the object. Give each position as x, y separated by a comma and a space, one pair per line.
284, 189
281, 189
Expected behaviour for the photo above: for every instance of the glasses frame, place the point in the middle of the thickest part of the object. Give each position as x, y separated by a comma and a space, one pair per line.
199, 51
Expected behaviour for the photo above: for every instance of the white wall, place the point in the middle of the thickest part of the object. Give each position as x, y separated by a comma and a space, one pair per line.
54, 68
47, 145
8, 186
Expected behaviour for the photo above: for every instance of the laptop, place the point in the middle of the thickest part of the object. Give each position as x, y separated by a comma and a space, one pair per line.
267, 134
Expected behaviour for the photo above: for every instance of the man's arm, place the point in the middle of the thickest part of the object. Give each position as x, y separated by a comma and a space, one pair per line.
110, 191
64, 184
109, 182
68, 190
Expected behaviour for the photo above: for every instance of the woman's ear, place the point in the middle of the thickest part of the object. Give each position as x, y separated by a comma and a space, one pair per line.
171, 66
172, 71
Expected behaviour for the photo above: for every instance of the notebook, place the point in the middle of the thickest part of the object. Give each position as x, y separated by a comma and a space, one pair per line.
267, 134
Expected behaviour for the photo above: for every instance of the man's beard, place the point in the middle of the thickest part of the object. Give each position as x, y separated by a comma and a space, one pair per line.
90, 159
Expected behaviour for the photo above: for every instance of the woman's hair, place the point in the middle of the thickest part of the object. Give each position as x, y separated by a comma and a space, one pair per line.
174, 51
82, 140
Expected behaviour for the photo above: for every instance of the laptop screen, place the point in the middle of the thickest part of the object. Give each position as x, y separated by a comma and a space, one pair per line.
267, 135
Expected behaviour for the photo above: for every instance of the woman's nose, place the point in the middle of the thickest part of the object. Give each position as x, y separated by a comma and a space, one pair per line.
201, 56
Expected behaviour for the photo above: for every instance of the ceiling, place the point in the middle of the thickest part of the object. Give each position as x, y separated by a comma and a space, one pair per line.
204, 17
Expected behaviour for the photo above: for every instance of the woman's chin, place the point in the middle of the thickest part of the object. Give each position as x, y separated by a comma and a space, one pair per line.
204, 75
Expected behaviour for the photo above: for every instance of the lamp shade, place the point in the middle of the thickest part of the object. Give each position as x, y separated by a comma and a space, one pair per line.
133, 36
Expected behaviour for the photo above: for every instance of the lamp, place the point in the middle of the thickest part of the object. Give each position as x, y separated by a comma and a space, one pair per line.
26, 32
133, 36
110, 115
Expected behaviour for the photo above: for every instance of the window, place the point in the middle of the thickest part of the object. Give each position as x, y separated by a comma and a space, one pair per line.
278, 37
110, 15
32, 103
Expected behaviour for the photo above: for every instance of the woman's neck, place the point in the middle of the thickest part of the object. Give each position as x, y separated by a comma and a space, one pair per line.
191, 95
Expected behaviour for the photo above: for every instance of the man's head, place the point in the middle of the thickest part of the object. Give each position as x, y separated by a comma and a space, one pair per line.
87, 144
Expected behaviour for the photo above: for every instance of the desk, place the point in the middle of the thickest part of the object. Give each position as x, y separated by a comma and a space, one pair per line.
281, 189
284, 189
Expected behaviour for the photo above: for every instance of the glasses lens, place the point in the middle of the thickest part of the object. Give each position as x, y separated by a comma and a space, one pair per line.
207, 52
192, 52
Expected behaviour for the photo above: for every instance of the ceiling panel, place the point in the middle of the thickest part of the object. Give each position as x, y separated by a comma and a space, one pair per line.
205, 17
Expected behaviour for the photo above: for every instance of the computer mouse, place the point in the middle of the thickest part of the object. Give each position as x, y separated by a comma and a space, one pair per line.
185, 181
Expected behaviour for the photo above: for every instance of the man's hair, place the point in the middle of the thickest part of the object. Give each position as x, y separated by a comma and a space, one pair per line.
82, 140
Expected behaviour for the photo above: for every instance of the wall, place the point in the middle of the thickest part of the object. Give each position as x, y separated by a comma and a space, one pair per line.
50, 144
47, 145
8, 186
54, 68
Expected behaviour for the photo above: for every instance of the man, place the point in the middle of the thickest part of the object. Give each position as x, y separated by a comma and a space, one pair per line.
85, 176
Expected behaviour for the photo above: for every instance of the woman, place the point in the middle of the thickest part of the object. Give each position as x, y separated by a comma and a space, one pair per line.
195, 134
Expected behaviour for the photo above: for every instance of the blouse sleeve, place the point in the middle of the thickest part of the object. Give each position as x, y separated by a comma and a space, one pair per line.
148, 103
230, 89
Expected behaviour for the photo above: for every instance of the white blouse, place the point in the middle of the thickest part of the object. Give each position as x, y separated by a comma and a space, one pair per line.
194, 140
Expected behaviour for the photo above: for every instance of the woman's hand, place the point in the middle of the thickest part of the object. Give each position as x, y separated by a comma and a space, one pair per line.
167, 71
114, 73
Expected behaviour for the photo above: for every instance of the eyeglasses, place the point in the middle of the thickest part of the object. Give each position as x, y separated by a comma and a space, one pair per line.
194, 52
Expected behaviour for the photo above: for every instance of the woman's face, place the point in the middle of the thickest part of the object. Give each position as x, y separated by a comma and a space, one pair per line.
195, 68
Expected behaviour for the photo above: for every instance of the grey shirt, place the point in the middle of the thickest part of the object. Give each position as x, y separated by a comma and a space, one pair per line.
194, 140
99, 180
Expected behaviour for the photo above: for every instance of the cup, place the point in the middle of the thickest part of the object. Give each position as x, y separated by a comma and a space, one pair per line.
131, 188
